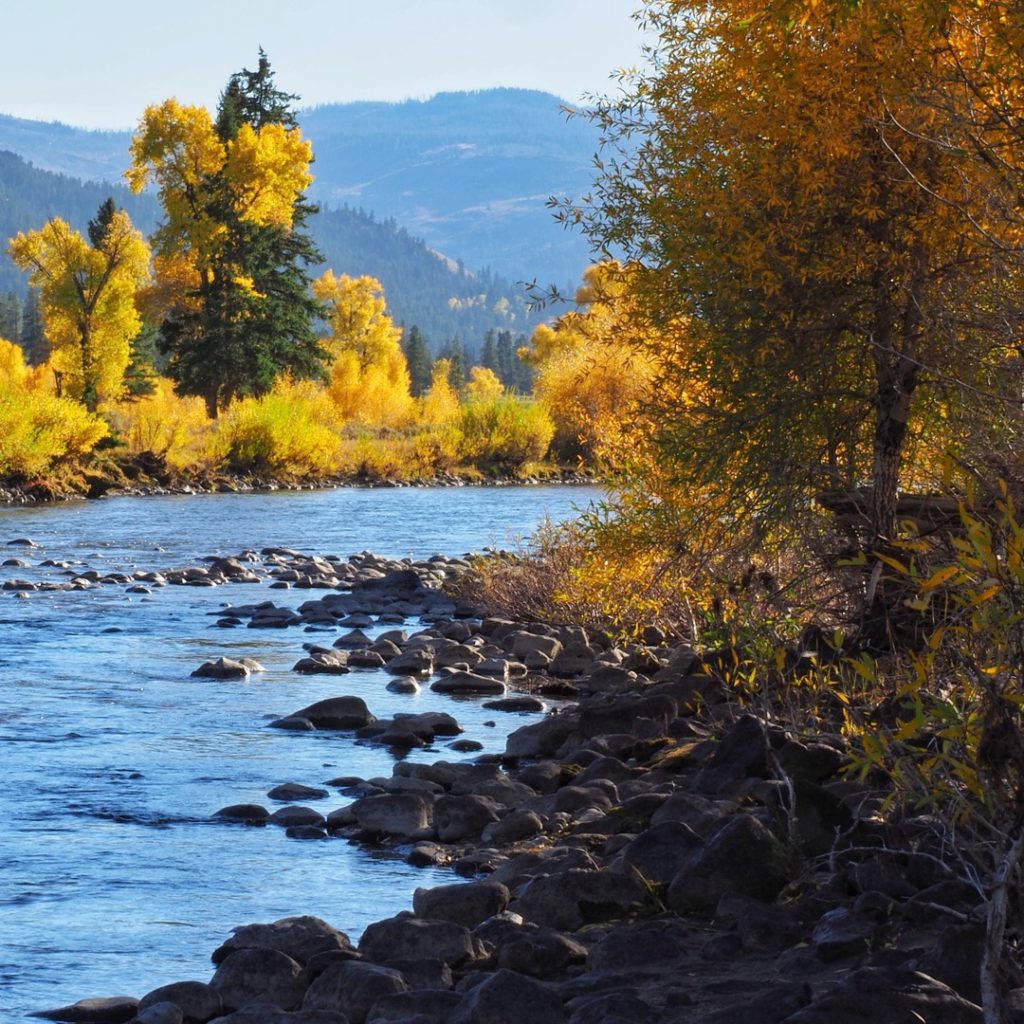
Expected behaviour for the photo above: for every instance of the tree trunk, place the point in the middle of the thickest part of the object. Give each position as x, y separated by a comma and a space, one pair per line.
212, 407
892, 410
993, 1005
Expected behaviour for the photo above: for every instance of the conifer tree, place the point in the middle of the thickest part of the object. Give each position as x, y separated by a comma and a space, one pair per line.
417, 356
235, 231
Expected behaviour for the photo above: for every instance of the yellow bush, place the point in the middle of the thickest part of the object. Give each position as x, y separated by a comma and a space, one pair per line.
38, 431
285, 432
172, 427
506, 432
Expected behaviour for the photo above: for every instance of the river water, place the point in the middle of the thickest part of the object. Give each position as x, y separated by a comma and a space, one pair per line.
113, 877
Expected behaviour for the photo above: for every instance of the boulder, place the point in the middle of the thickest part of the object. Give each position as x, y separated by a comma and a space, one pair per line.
262, 1013
160, 1013
222, 668
466, 904
294, 814
412, 938
322, 663
659, 853
510, 998
251, 814
289, 791
301, 938
744, 858
352, 988
259, 975
639, 944
197, 1001
568, 900
874, 994
540, 953
337, 713
416, 662
406, 815
106, 1010
426, 1006
403, 684
463, 817
468, 683
540, 739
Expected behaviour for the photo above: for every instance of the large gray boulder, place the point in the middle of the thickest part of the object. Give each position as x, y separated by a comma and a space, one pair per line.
467, 904
411, 938
743, 858
510, 998
197, 1001
345, 712
352, 988
298, 937
568, 900
104, 1010
406, 815
463, 817
874, 994
259, 976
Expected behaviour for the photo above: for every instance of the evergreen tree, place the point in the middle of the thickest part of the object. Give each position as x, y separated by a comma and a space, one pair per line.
255, 314
455, 353
506, 359
489, 354
10, 317
32, 340
417, 357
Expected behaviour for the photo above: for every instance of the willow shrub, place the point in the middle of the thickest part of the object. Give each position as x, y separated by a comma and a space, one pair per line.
39, 431
288, 432
503, 433
173, 427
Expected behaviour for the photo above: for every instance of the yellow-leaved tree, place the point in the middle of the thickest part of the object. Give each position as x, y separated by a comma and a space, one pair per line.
796, 227
369, 379
592, 367
87, 298
231, 254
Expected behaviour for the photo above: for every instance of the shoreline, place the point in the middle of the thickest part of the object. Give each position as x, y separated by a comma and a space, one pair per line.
27, 495
650, 852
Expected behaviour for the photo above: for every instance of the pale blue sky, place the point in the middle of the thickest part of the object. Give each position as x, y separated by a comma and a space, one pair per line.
98, 64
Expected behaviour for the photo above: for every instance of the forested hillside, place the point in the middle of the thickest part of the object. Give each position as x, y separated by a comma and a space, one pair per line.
470, 173
421, 287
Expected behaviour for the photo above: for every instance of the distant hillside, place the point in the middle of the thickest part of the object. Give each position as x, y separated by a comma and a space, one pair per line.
29, 197
470, 173
421, 287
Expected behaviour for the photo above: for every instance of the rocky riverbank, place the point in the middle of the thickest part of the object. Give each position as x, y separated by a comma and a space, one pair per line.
113, 481
648, 852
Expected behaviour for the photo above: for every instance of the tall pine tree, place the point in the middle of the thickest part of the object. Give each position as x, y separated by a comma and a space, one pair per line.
253, 316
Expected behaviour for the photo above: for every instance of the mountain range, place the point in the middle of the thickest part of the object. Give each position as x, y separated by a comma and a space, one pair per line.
444, 200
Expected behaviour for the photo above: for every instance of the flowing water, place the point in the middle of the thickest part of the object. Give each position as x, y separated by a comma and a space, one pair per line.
113, 877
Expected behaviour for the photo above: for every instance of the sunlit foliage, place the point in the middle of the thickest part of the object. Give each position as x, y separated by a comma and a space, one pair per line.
87, 297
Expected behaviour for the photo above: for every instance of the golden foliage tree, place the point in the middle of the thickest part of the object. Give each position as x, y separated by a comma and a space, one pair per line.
801, 248
87, 297
369, 378
231, 252
591, 367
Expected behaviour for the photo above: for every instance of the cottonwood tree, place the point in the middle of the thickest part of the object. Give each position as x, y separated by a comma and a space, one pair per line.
232, 255
369, 378
818, 299
87, 293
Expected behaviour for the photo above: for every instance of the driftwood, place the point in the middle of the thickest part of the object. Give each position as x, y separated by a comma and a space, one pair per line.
928, 512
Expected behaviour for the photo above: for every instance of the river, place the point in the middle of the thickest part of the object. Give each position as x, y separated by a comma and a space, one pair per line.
113, 877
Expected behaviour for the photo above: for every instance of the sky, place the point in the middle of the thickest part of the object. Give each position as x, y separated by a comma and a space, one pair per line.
99, 64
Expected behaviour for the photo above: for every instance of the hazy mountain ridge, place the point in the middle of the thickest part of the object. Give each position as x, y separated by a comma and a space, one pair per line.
468, 172
421, 286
